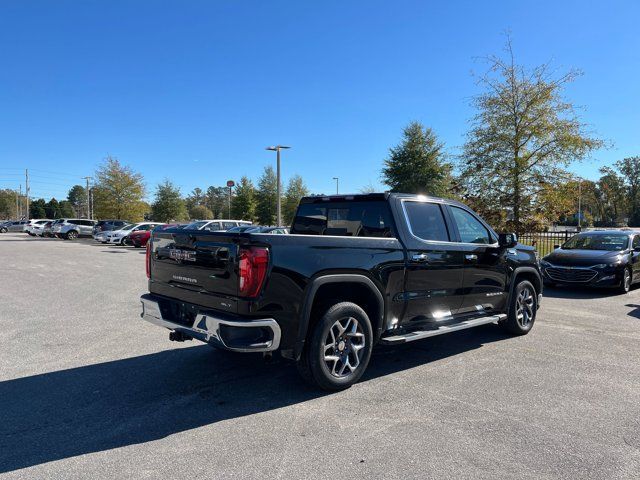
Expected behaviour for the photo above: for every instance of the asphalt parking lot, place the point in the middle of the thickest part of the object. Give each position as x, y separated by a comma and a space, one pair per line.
88, 390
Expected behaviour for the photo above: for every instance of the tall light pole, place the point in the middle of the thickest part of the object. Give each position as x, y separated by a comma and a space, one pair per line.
337, 185
277, 148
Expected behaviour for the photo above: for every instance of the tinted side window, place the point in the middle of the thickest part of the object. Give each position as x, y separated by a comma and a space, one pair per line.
228, 225
470, 229
636, 241
426, 221
349, 219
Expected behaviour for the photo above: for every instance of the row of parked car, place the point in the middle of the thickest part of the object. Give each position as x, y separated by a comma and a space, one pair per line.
120, 232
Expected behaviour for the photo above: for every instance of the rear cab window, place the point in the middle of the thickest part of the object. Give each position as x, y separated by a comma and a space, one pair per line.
367, 218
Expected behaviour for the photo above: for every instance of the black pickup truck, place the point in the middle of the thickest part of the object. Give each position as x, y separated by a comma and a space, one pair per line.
357, 270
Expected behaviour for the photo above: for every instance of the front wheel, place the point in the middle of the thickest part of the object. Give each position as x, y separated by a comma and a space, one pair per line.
3, 230
338, 352
625, 284
523, 306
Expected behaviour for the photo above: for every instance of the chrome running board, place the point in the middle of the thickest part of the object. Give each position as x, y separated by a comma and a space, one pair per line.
420, 334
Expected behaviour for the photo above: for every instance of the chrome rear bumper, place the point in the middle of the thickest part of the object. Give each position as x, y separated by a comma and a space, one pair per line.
207, 327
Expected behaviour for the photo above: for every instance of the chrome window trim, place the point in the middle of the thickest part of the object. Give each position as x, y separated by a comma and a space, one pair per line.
440, 242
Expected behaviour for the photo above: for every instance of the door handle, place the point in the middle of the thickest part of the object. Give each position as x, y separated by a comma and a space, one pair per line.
420, 257
472, 257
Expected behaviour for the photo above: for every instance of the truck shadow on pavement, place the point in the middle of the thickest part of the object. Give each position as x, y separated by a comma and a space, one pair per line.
108, 405
636, 310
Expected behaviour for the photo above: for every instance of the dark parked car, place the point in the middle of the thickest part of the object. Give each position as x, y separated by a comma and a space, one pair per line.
607, 258
356, 270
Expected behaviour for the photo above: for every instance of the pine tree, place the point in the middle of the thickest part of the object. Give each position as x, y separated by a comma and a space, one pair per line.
266, 197
417, 164
243, 205
295, 191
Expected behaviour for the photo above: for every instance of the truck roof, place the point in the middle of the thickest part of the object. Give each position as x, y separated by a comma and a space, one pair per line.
360, 197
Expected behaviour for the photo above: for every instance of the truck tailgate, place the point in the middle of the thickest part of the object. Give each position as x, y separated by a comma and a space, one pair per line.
200, 263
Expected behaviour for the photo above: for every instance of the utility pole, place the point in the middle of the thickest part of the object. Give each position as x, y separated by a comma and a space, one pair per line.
18, 203
337, 185
91, 203
26, 189
88, 209
20, 212
277, 149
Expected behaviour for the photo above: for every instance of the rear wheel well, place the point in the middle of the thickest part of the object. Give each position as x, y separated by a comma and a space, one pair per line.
359, 293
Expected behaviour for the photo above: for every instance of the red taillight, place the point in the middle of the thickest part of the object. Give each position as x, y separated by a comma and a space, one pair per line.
253, 270
148, 260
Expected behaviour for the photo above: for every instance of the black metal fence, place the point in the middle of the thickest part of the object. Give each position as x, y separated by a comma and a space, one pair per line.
545, 241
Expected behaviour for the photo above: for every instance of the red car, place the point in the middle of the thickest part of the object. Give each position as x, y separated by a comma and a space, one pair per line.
140, 238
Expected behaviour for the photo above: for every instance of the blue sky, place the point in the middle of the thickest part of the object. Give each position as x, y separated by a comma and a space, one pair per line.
194, 90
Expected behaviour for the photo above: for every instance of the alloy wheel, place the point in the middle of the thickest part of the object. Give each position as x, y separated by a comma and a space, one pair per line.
525, 307
627, 281
72, 235
344, 347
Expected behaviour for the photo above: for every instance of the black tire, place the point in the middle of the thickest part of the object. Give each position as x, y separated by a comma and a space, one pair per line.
625, 283
353, 344
3, 230
523, 307
71, 235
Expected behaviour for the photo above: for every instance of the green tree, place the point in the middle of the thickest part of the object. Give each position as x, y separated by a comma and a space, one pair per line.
243, 205
37, 208
8, 203
200, 212
523, 133
416, 164
610, 198
52, 209
119, 192
266, 197
66, 209
296, 189
77, 196
168, 204
195, 198
217, 200
630, 169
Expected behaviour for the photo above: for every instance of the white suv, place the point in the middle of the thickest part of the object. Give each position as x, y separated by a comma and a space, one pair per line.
119, 237
35, 224
72, 228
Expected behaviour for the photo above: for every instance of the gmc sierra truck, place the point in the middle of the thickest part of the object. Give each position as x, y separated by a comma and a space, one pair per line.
357, 270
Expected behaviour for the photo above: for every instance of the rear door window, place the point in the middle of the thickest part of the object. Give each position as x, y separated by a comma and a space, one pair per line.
426, 221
